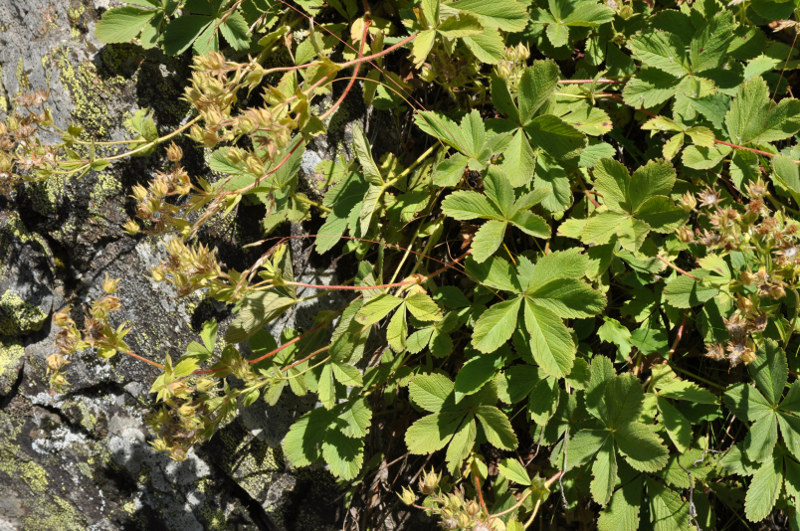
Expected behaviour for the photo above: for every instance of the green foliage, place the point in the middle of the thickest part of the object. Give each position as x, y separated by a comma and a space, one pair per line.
622, 315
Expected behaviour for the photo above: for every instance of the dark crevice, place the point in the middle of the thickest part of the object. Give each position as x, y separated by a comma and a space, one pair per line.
14, 391
254, 509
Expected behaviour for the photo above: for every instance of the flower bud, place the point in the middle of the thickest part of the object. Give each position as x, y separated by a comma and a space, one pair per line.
407, 496
429, 482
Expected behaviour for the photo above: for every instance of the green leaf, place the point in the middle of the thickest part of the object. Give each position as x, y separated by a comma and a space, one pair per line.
475, 373
432, 432
301, 444
507, 15
496, 427
604, 473
466, 205
642, 448
569, 263
355, 419
661, 50
429, 391
650, 87
770, 370
569, 298
377, 308
423, 307
326, 387
461, 25
441, 127
647, 182
236, 31
551, 342
611, 180
764, 489
487, 47
678, 426
531, 224
368, 207
623, 511
512, 470
556, 137
488, 239
623, 399
786, 173
536, 86
760, 441
461, 445
397, 330
181, 32
347, 374
519, 162
746, 402
422, 46
612, 331
662, 214
752, 118
364, 155
343, 455
495, 326
122, 24
258, 308
669, 511
583, 445
685, 292
669, 385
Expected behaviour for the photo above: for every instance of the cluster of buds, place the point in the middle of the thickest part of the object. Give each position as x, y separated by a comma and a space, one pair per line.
454, 510
192, 409
20, 148
510, 69
97, 332
189, 268
152, 202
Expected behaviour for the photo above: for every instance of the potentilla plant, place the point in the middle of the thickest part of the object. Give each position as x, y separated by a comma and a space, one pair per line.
575, 293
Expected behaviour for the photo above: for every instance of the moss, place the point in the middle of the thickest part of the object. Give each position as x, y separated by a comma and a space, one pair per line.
18, 316
22, 77
74, 13
89, 93
215, 518
34, 476
53, 513
10, 355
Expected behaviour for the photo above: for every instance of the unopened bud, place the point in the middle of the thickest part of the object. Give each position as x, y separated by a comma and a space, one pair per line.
407, 496
174, 152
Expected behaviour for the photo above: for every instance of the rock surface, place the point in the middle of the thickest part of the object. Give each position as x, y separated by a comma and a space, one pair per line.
81, 459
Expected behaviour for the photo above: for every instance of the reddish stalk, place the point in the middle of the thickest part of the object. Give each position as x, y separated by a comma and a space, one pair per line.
270, 353
676, 268
367, 24
141, 358
678, 337
480, 493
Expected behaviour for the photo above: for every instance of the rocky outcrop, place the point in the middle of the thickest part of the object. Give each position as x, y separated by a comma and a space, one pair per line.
81, 459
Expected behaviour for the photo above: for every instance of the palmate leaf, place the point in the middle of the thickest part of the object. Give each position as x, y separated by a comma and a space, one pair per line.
604, 472
495, 326
488, 239
642, 448
496, 427
765, 486
753, 118
429, 391
432, 432
507, 15
551, 343
123, 24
